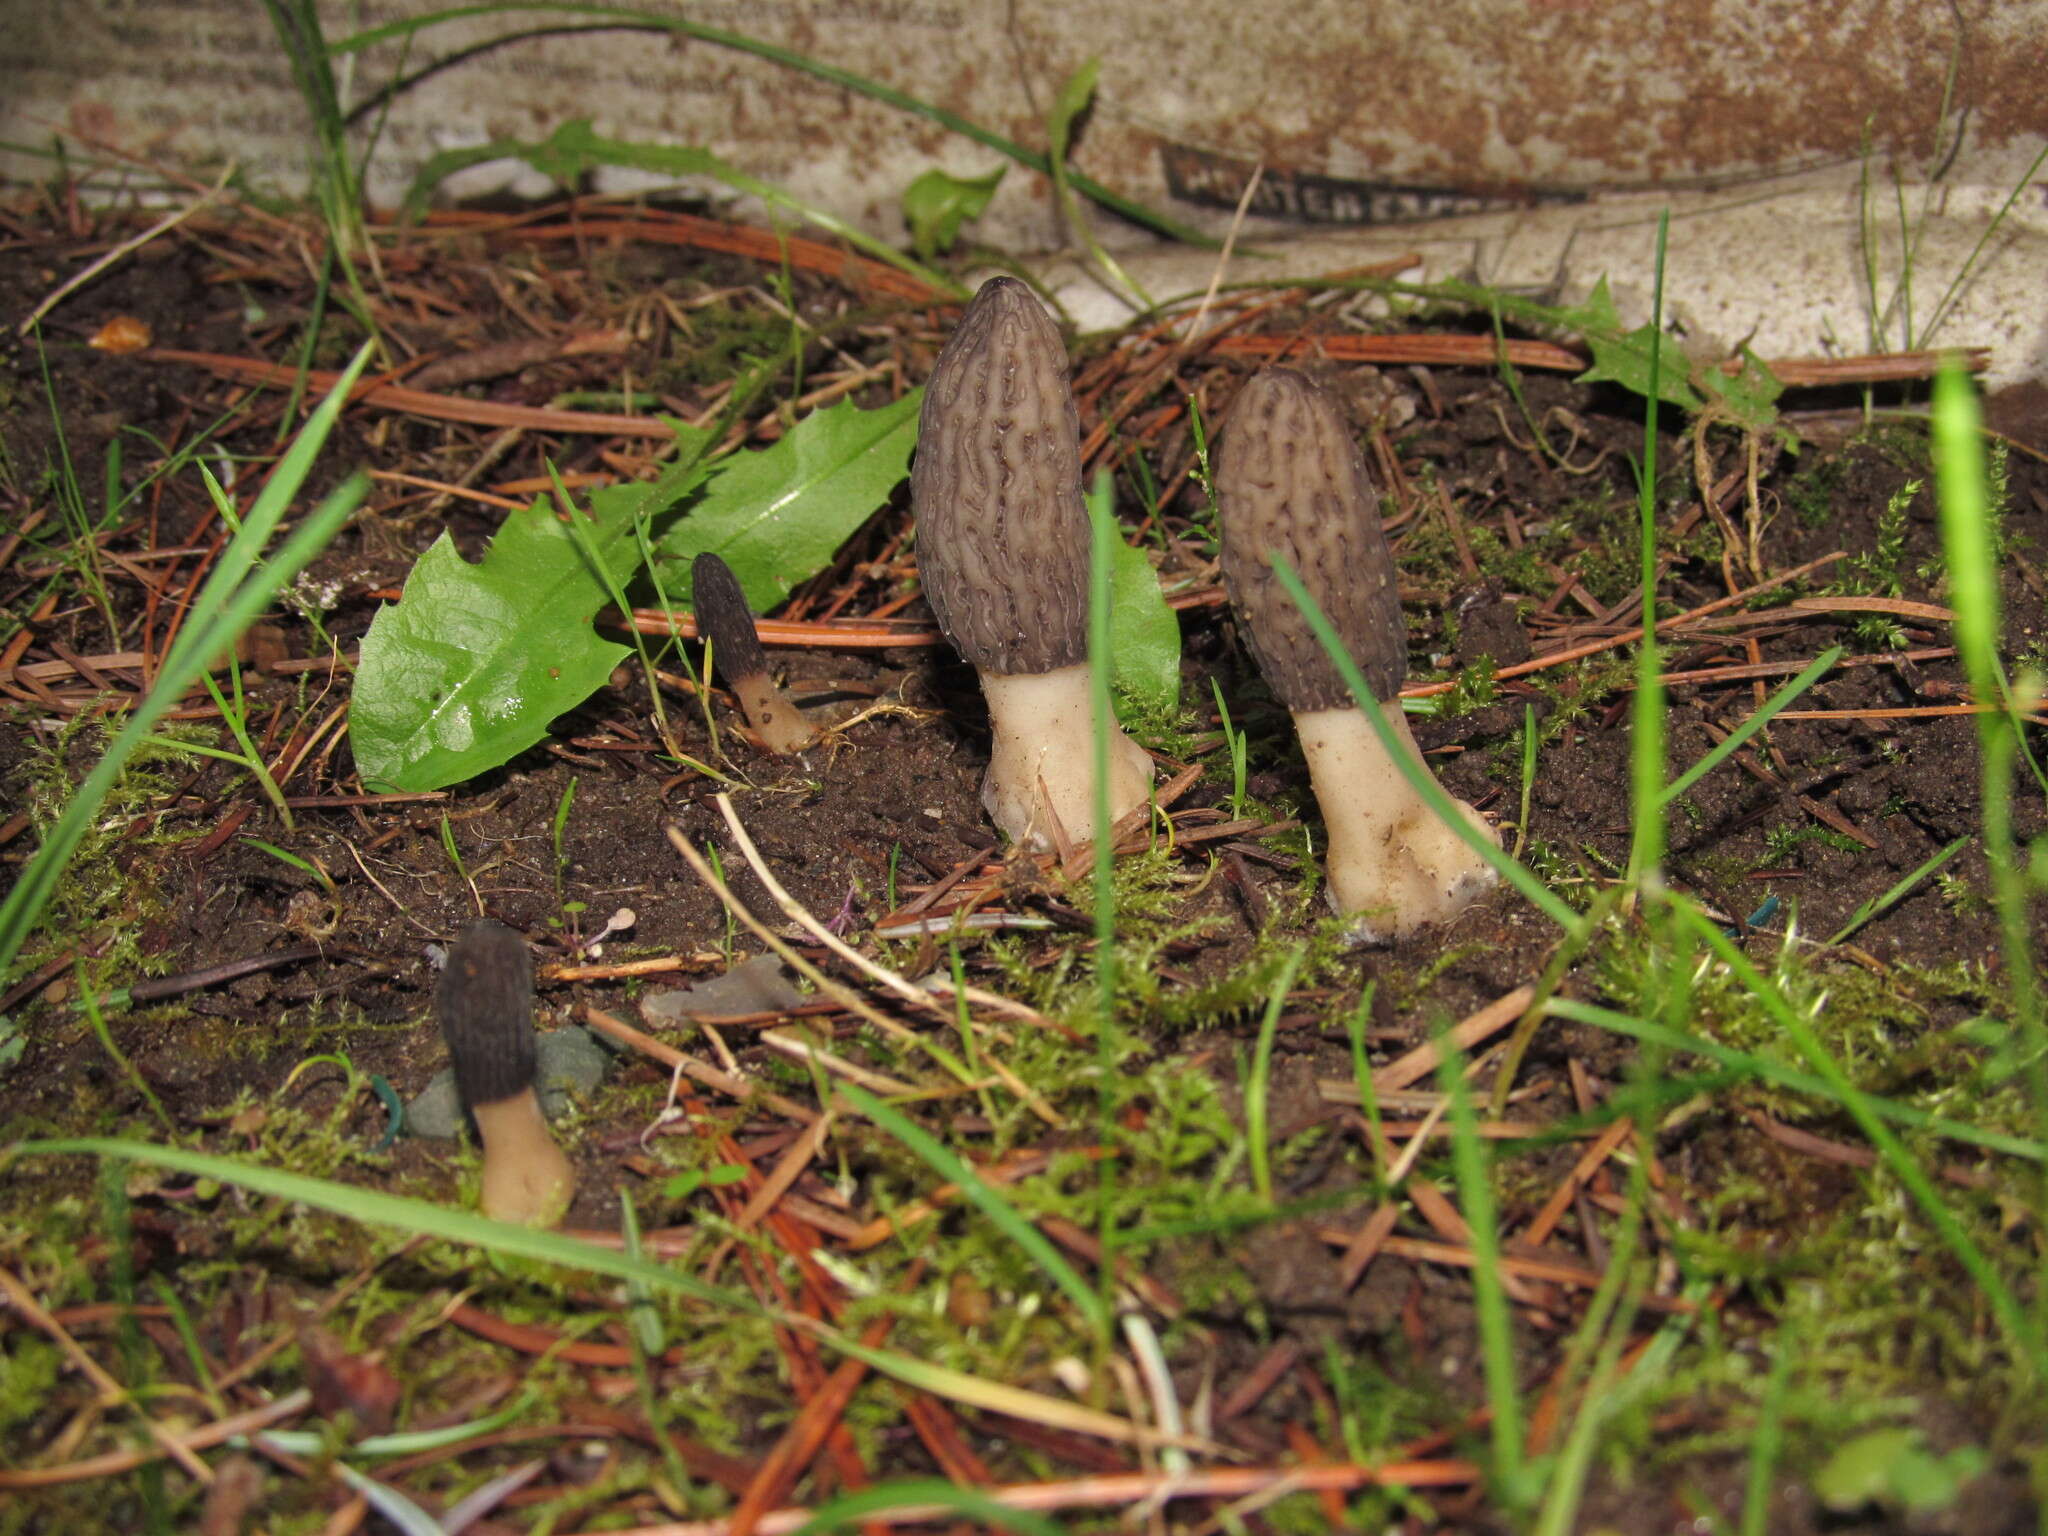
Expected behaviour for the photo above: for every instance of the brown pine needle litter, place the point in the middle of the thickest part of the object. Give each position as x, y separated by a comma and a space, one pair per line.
1293, 1343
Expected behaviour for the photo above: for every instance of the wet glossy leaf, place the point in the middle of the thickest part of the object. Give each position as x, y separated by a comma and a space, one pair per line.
471, 664
779, 515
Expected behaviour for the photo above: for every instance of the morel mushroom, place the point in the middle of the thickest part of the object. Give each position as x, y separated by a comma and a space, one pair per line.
724, 619
1290, 482
485, 1001
1002, 552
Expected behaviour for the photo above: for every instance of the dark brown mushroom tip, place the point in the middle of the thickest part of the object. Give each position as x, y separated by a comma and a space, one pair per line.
485, 1003
724, 619
1002, 552
1292, 483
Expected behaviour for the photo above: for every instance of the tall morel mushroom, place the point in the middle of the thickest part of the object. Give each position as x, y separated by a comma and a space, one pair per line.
1002, 552
485, 1002
1291, 483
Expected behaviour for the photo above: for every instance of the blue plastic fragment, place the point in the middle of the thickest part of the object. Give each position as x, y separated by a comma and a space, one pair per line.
394, 1110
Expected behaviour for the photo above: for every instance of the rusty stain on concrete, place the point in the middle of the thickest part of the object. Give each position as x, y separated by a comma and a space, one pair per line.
1465, 93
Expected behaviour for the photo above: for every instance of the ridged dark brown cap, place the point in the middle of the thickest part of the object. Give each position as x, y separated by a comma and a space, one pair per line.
1290, 481
485, 1002
1002, 533
724, 618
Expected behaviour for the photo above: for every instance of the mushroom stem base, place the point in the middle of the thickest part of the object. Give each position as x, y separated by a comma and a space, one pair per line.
775, 719
1390, 858
1041, 770
526, 1177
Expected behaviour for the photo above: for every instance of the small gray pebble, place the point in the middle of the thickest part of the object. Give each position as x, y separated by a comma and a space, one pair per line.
570, 1061
759, 985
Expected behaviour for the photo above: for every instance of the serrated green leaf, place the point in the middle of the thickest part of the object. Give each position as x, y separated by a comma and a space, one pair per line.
1144, 638
1144, 633
936, 205
1623, 357
777, 516
471, 664
1597, 314
1750, 397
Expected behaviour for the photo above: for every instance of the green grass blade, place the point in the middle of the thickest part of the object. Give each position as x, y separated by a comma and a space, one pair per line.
1767, 1440
1968, 536
1765, 1070
1419, 778
1780, 700
1969, 540
949, 1165
1899, 892
919, 1494
1103, 542
1528, 779
313, 1442
1473, 1166
1068, 106
229, 604
2020, 1329
1997, 221
1599, 1339
1261, 1076
404, 1213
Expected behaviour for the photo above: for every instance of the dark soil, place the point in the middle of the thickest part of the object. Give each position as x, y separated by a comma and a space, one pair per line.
1808, 825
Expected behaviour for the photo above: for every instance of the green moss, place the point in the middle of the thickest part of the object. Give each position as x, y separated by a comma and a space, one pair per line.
1473, 688
106, 889
1813, 492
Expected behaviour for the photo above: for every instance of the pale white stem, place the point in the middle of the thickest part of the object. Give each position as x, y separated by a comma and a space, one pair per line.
779, 723
1041, 771
526, 1177
1390, 858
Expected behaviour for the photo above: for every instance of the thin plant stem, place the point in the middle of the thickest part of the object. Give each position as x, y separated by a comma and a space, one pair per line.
1725, 748
1102, 722
1473, 1165
1608, 1329
847, 80
1646, 728
1767, 1441
1969, 529
1356, 1023
237, 720
1528, 780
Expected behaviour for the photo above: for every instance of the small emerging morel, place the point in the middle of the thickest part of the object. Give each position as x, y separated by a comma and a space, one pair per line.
724, 619
485, 1002
1002, 552
1290, 482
